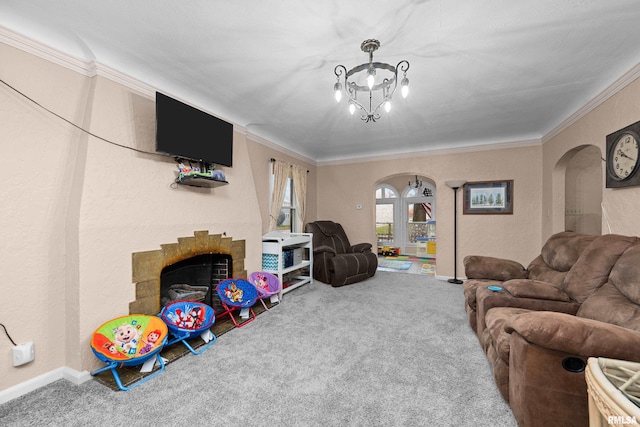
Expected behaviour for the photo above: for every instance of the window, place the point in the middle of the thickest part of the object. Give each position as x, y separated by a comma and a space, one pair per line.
286, 217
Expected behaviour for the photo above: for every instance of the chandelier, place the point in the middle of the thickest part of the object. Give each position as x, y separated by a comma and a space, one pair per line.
364, 80
416, 184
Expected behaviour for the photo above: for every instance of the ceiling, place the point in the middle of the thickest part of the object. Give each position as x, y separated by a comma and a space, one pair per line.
481, 71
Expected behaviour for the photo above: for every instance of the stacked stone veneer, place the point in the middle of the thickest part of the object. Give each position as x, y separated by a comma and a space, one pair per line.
148, 265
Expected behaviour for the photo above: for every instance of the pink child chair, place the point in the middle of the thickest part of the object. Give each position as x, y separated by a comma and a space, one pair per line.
266, 284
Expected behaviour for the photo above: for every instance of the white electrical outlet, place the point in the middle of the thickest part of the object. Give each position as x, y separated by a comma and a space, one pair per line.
23, 353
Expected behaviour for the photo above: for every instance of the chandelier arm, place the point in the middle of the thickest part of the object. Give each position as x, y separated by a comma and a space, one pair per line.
356, 102
402, 66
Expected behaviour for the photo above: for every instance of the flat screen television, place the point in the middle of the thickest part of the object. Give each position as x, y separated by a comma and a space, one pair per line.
185, 132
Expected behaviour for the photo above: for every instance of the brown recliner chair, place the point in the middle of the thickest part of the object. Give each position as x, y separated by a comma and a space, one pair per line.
335, 260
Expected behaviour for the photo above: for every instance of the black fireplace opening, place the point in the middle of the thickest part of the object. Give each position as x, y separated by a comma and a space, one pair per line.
195, 279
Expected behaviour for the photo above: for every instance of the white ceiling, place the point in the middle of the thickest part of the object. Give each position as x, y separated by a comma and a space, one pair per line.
482, 71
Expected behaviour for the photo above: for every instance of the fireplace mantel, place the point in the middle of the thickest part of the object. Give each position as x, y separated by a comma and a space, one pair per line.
147, 266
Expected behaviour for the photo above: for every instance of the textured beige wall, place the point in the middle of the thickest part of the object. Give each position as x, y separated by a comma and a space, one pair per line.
75, 208
341, 187
40, 155
619, 206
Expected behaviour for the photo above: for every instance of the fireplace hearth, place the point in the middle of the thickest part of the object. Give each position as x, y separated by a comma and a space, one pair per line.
191, 263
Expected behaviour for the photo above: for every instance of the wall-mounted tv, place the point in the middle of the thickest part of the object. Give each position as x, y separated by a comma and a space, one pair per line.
185, 132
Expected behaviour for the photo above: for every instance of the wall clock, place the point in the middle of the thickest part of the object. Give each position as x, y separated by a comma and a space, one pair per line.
623, 159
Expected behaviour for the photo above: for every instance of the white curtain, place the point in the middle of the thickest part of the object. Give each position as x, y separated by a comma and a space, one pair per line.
281, 171
300, 189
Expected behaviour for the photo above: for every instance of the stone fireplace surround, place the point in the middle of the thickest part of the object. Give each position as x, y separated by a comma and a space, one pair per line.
147, 266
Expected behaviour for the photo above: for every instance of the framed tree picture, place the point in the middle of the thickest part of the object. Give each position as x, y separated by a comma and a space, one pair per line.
488, 197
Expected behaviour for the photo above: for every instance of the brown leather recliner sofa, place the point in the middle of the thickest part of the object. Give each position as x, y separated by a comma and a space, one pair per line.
335, 260
579, 298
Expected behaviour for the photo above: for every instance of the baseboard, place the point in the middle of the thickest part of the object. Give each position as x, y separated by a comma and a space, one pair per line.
71, 375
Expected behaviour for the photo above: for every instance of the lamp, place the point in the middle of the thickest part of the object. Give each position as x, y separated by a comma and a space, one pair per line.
377, 79
455, 184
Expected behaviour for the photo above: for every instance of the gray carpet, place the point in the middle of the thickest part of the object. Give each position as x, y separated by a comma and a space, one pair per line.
395, 350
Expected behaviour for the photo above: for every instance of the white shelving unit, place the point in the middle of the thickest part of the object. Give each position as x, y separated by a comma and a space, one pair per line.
274, 246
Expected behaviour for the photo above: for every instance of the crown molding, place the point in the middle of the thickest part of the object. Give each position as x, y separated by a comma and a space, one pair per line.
272, 145
125, 80
45, 52
434, 152
615, 87
86, 68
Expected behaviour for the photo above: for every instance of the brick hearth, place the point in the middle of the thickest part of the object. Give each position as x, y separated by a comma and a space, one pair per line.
148, 265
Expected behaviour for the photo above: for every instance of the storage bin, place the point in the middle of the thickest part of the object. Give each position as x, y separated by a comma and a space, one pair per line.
431, 247
270, 262
287, 256
297, 256
270, 248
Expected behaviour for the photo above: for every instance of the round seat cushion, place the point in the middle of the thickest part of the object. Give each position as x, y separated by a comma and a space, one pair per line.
131, 339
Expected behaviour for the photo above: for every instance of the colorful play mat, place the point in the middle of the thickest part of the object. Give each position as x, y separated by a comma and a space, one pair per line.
389, 264
409, 264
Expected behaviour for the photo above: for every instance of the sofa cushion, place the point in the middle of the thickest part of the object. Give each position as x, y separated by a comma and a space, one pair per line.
471, 285
486, 267
496, 336
527, 288
625, 275
616, 302
562, 250
538, 270
609, 305
592, 268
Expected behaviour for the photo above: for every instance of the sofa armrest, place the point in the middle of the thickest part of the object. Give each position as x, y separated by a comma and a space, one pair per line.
486, 267
360, 247
529, 288
576, 335
324, 248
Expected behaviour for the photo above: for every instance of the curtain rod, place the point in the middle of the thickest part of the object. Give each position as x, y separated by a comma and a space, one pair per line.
273, 160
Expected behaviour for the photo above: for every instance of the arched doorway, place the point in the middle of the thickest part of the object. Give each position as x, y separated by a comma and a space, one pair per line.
578, 176
405, 213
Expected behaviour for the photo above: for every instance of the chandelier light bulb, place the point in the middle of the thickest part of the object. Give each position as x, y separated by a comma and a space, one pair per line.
338, 91
352, 108
371, 79
387, 106
405, 87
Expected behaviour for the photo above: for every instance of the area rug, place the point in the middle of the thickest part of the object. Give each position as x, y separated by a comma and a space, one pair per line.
390, 265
